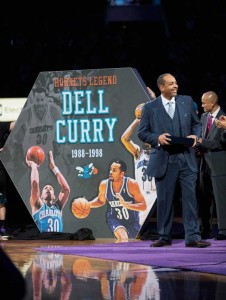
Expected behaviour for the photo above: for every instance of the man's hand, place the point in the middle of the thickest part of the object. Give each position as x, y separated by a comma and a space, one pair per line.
31, 163
221, 122
222, 118
164, 139
122, 201
192, 136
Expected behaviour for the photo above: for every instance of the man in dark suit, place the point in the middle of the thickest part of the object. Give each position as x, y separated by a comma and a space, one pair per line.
214, 148
171, 162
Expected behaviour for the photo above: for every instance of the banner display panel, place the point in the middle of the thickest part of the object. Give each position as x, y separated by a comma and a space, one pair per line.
63, 146
10, 108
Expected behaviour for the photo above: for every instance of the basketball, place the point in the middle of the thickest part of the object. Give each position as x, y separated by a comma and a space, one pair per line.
36, 154
82, 267
138, 110
80, 208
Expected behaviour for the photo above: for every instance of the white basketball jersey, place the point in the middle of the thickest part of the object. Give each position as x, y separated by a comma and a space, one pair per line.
146, 182
39, 130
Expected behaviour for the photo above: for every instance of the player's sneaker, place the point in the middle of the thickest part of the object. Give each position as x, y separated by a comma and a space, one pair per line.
4, 235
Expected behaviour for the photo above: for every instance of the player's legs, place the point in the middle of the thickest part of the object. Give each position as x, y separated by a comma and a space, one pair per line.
121, 233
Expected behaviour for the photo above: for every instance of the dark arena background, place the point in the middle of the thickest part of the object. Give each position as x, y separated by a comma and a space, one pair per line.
153, 36
184, 38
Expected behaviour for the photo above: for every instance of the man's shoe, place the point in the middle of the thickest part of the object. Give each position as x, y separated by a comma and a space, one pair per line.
161, 243
198, 244
220, 237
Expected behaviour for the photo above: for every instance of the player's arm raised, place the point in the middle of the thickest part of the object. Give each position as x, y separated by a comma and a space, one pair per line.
35, 200
65, 189
100, 200
126, 139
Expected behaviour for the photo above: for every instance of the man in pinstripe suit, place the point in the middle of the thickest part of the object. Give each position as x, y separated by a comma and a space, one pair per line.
170, 164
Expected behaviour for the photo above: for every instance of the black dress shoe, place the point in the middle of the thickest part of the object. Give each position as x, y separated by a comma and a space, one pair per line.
220, 237
161, 243
198, 244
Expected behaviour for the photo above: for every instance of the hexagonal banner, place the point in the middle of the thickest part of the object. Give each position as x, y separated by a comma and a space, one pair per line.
68, 160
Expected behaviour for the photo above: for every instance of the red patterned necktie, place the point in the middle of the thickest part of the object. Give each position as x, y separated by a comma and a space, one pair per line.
209, 124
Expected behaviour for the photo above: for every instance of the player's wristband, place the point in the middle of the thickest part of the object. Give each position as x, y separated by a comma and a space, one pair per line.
55, 170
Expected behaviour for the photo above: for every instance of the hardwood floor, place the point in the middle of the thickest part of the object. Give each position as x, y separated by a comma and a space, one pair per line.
56, 276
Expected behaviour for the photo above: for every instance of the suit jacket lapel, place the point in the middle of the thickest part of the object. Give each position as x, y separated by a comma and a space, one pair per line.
204, 126
214, 127
161, 114
181, 111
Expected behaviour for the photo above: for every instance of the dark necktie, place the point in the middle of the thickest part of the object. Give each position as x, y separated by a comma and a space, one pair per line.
209, 124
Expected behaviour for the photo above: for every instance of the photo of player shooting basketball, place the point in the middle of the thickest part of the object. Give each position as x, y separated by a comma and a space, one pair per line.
46, 208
